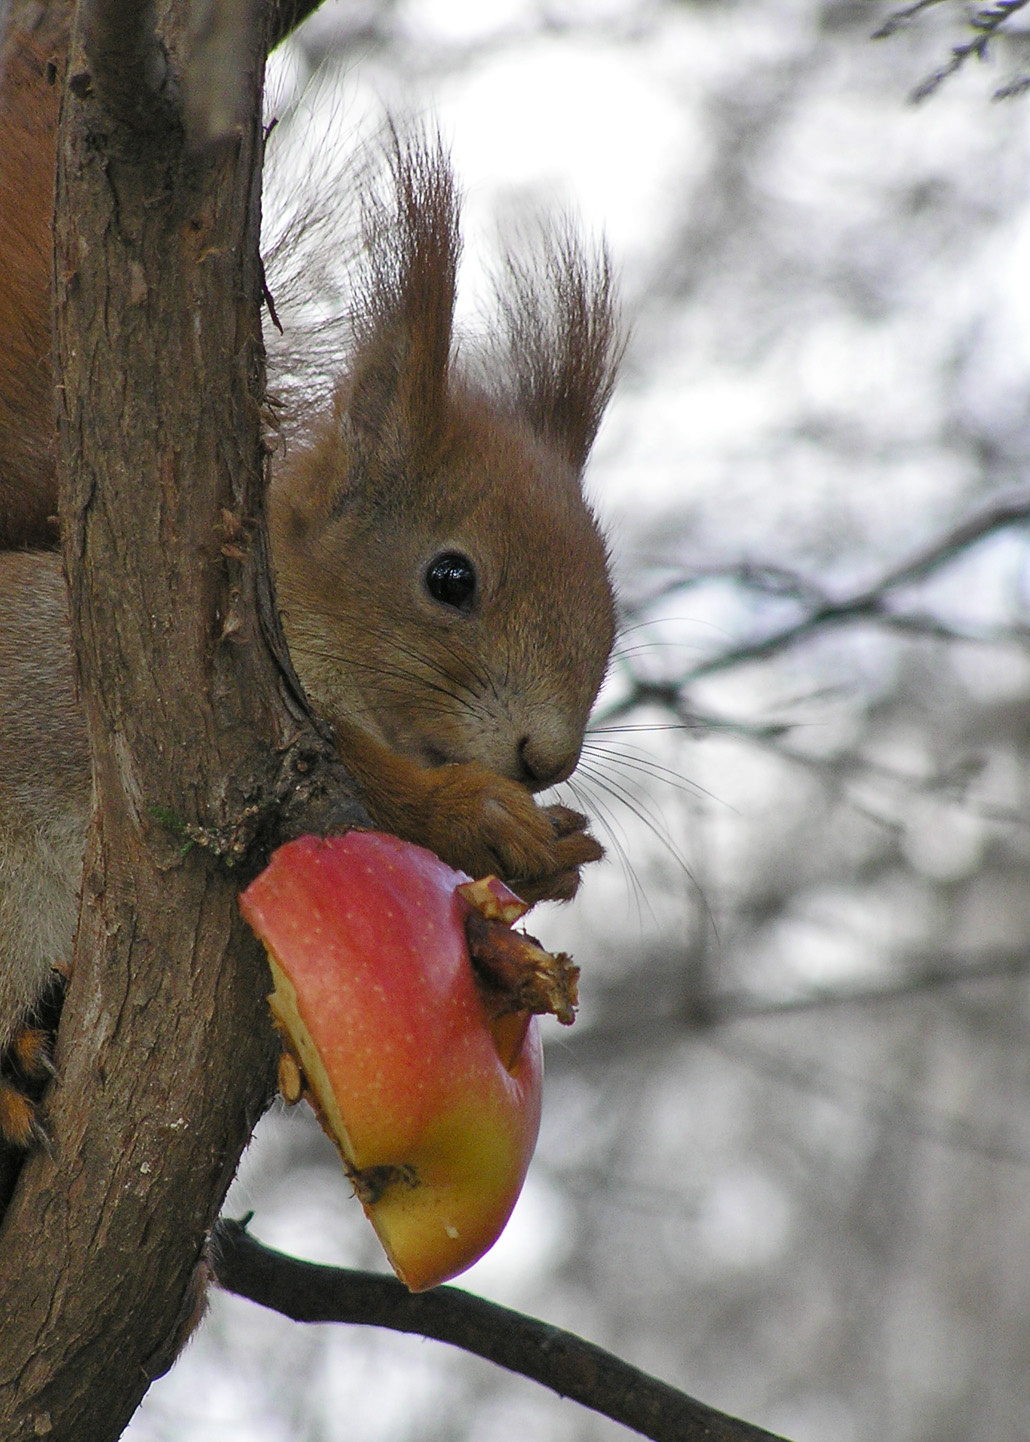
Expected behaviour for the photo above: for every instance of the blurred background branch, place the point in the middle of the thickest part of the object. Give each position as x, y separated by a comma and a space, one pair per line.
985, 23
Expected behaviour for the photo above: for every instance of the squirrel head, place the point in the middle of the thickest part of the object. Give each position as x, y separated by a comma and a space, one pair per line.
444, 584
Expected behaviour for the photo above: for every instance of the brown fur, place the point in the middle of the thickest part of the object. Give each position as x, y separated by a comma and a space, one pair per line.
44, 783
28, 118
449, 717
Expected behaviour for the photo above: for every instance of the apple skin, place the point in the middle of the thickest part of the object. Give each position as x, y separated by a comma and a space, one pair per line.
433, 1103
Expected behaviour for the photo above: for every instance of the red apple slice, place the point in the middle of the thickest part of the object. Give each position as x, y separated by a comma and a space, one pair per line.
429, 1085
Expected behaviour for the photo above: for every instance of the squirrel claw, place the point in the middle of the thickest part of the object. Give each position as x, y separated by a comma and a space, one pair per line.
574, 848
564, 820
40, 1137
541, 849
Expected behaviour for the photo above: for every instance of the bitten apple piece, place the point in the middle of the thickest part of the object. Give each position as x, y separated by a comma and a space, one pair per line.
429, 1089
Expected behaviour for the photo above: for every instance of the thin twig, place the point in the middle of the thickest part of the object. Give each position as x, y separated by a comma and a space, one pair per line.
651, 1029
934, 974
901, 1111
901, 18
985, 21
565, 1363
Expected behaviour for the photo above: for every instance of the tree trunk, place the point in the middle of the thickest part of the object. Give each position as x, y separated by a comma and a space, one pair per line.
197, 729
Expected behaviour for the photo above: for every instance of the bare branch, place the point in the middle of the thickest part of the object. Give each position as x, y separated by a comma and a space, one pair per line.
558, 1359
870, 602
126, 66
215, 99
986, 22
285, 17
912, 1116
927, 974
902, 17
638, 1028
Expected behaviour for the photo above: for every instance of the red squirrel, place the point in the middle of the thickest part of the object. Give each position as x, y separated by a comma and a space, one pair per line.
444, 585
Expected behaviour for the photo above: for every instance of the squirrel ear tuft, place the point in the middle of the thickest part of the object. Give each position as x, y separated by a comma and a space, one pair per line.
397, 392
558, 307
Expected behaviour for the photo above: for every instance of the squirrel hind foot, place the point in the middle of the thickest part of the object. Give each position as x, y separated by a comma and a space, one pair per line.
25, 1069
19, 1125
29, 1054
21, 1131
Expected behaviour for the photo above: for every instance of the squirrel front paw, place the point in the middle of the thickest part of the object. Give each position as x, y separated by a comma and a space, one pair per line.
575, 847
482, 823
472, 818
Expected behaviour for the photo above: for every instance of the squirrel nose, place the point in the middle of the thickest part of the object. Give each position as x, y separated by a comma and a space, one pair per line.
545, 765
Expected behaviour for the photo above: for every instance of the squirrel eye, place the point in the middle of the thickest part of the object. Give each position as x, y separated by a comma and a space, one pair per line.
451, 580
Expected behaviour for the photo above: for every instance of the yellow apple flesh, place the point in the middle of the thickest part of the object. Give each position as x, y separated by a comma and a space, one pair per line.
432, 1099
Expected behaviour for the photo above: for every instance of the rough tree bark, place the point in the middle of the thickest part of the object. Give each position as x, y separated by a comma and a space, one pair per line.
197, 728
